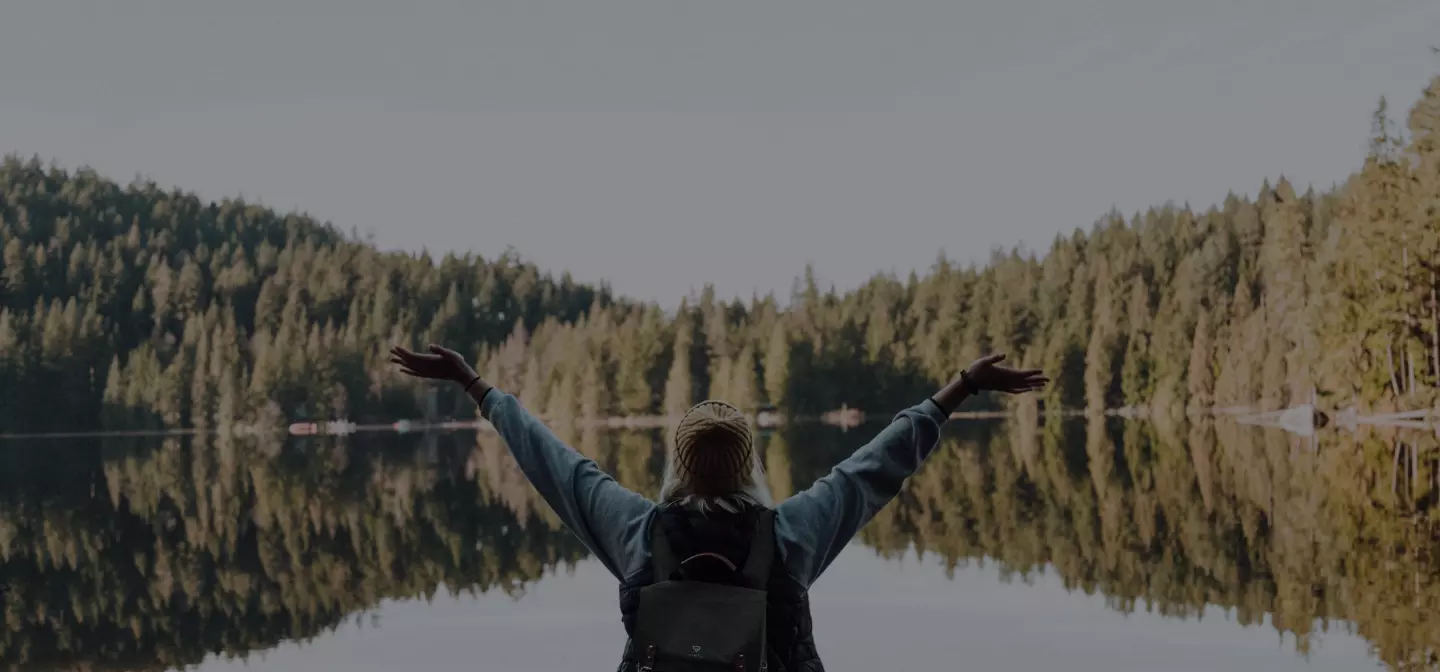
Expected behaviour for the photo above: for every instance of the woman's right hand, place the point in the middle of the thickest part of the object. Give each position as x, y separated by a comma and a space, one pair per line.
986, 374
440, 364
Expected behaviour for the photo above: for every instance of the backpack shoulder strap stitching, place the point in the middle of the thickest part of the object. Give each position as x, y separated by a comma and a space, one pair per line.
714, 556
762, 551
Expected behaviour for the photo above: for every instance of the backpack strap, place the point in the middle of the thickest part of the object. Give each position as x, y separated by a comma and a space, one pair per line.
662, 558
762, 551
714, 556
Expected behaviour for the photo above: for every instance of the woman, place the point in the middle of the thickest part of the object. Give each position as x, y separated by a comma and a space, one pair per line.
714, 503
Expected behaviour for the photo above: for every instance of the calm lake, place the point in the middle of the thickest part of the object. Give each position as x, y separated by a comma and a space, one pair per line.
1083, 545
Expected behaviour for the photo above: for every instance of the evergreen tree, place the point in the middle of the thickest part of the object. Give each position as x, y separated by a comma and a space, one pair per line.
744, 389
679, 390
1201, 375
1135, 371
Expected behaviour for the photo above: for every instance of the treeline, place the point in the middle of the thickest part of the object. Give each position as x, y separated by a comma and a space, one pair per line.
147, 554
156, 307
153, 307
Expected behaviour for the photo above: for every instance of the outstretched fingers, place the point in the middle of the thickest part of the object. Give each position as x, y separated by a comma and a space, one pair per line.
1030, 381
408, 361
407, 356
405, 367
442, 352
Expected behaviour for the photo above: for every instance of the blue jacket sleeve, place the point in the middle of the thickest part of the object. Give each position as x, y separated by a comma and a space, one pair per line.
608, 518
813, 526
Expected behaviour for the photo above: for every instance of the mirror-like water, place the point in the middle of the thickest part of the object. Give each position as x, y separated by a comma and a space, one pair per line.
1085, 544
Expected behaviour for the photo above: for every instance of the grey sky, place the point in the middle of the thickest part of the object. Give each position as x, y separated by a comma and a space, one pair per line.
660, 145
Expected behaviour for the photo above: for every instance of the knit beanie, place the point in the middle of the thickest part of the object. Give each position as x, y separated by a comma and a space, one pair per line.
713, 448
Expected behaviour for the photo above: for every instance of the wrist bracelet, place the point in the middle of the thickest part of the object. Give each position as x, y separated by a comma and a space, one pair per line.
472, 383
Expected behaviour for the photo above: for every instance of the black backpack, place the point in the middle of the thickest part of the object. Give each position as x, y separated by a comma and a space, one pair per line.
689, 624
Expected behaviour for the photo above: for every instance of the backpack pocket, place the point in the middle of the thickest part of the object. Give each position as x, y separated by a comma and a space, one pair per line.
696, 626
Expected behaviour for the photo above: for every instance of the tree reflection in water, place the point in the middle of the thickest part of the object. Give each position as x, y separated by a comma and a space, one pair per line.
151, 554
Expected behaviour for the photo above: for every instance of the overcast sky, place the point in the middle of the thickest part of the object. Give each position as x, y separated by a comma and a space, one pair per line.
661, 145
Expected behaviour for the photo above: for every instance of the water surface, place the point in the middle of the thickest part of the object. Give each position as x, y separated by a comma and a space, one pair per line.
1084, 545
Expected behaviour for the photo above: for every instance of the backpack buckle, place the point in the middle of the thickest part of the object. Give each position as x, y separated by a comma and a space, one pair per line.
648, 665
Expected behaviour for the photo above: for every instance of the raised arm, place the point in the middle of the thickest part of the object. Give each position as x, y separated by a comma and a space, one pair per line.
815, 525
607, 517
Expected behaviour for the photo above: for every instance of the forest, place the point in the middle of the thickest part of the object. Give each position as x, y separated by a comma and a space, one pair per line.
138, 306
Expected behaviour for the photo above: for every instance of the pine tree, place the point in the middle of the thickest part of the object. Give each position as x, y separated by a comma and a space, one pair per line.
532, 390
201, 385
1100, 353
744, 390
1135, 372
563, 404
113, 411
679, 394
777, 467
634, 359
1201, 376
592, 392
777, 366
721, 378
